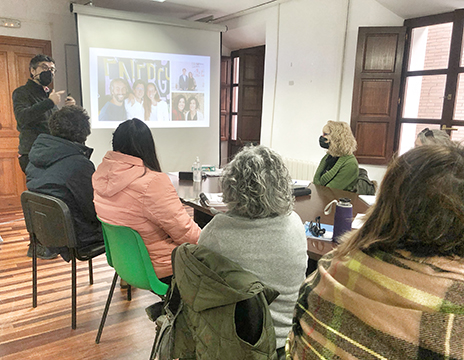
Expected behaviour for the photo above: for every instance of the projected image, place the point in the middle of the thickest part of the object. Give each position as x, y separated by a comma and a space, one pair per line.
187, 106
190, 76
133, 84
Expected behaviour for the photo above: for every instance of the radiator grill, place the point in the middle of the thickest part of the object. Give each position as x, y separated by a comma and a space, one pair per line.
301, 169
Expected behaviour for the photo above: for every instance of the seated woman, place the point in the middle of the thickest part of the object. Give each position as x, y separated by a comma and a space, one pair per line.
60, 166
131, 190
429, 137
394, 288
260, 232
338, 168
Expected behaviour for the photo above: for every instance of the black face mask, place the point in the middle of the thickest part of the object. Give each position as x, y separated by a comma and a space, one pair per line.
323, 142
45, 78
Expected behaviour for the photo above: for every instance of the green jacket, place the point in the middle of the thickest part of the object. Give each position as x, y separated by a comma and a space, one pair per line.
343, 175
210, 286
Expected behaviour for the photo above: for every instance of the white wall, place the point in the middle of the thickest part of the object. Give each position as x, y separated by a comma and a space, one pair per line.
44, 20
304, 44
308, 69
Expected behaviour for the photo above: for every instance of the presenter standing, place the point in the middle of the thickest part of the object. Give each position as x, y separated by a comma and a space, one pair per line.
34, 103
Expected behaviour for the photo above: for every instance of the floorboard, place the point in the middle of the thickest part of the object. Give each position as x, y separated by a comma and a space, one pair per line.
45, 332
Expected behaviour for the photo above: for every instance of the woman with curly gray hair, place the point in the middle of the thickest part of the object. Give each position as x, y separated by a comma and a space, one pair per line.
338, 168
260, 231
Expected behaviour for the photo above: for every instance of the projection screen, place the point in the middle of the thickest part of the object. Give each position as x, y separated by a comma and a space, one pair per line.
165, 72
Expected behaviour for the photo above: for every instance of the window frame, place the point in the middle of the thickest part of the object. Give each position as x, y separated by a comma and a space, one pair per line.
451, 72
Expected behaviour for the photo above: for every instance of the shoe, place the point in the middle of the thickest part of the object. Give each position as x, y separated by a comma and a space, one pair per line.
42, 252
155, 310
123, 284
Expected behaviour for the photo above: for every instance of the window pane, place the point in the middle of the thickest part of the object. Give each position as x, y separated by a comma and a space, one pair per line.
233, 136
462, 52
235, 99
409, 133
459, 104
430, 47
423, 97
236, 69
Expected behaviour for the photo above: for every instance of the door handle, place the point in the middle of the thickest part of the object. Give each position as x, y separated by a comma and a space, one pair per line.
445, 128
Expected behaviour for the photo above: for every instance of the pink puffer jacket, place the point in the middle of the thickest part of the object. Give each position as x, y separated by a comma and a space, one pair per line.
127, 193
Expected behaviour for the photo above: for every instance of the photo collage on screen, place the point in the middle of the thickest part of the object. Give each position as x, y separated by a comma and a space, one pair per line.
157, 89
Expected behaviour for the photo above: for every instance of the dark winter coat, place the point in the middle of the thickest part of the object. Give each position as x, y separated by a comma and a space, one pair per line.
32, 109
61, 168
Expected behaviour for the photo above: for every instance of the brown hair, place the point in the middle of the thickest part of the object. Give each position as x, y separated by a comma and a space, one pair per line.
420, 206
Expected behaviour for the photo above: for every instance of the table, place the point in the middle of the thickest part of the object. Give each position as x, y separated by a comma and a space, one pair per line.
308, 207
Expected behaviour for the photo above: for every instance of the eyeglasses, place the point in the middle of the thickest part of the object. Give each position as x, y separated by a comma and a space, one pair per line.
46, 68
427, 132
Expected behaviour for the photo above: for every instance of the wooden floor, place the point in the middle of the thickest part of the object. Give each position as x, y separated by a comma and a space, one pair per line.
45, 332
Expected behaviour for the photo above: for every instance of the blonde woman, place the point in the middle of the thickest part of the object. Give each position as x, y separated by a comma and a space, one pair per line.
338, 168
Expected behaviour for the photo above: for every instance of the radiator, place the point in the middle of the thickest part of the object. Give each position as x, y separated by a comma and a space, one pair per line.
301, 169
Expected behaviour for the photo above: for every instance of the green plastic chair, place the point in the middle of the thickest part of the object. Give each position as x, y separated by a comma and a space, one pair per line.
128, 256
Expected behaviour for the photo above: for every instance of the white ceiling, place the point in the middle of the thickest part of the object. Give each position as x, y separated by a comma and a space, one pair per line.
197, 9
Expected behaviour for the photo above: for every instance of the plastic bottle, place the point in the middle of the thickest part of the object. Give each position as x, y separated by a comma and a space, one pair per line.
196, 168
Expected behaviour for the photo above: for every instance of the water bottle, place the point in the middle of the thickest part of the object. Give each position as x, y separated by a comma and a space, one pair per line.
196, 168
343, 217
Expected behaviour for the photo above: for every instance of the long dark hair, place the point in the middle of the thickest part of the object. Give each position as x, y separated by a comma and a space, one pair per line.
420, 206
133, 137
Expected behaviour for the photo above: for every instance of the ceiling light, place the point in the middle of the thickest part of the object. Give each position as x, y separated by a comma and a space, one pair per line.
159, 0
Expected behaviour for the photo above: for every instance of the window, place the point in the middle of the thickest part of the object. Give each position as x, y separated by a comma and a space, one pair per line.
406, 79
235, 82
432, 93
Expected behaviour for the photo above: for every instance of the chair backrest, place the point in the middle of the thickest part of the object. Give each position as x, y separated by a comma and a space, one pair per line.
127, 254
49, 219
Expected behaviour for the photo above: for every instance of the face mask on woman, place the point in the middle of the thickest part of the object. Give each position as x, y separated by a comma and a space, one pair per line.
323, 142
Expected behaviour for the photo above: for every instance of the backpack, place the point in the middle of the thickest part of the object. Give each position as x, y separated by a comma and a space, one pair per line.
365, 186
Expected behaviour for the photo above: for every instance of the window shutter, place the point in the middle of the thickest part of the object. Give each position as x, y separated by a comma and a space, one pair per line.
379, 60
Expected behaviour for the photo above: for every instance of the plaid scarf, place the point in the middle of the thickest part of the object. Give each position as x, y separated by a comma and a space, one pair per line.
381, 306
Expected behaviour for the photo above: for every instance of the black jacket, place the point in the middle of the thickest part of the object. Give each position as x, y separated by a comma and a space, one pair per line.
61, 168
32, 109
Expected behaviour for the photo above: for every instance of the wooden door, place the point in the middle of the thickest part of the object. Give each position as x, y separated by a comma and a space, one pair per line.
250, 99
15, 55
379, 60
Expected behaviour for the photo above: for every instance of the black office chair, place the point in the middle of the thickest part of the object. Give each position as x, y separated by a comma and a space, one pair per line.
49, 221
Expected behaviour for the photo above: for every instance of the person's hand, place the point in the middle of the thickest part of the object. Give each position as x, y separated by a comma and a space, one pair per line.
131, 98
69, 101
55, 96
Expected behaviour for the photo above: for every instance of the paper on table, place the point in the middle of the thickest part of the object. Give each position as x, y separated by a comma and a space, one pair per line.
368, 199
216, 173
303, 183
214, 199
358, 221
